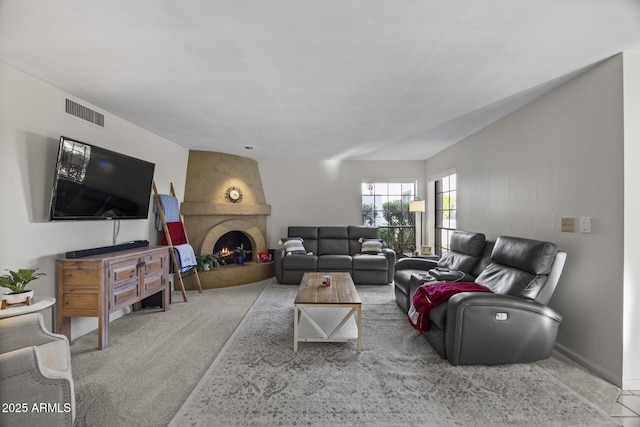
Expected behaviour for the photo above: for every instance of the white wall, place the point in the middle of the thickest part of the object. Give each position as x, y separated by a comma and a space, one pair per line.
324, 192
631, 351
32, 118
560, 156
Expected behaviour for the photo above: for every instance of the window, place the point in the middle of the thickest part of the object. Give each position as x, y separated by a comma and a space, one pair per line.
386, 205
445, 213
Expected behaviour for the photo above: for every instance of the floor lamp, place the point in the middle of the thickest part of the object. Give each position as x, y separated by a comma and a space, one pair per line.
418, 206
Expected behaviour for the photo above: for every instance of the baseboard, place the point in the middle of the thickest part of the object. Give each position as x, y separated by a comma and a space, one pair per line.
631, 385
83, 325
598, 370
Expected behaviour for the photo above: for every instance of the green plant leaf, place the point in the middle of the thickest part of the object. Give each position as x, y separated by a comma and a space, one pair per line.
18, 280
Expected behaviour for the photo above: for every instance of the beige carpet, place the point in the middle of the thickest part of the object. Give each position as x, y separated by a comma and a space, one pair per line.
154, 358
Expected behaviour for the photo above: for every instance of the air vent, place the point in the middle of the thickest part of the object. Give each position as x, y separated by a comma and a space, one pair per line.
84, 113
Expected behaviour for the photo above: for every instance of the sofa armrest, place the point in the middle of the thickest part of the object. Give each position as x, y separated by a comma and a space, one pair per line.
390, 254
278, 255
25, 331
494, 329
36, 375
416, 263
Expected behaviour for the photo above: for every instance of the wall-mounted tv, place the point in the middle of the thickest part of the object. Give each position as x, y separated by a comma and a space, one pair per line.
92, 183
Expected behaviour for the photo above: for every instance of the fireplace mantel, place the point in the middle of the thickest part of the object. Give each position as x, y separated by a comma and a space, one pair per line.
233, 209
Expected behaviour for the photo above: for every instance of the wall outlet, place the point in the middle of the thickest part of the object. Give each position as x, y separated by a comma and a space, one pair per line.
567, 225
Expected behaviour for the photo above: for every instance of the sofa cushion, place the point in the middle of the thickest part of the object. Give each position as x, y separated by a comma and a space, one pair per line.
466, 249
370, 262
518, 266
333, 241
533, 256
334, 262
505, 280
308, 234
457, 262
468, 243
300, 262
485, 260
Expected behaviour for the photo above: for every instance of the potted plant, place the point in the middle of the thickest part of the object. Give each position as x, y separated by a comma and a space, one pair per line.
215, 260
208, 261
241, 254
202, 264
17, 281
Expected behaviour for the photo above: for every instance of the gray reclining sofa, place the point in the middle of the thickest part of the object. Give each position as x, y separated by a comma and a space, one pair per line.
513, 324
335, 249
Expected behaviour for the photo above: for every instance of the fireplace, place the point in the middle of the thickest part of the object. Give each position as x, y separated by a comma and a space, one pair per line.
215, 221
228, 242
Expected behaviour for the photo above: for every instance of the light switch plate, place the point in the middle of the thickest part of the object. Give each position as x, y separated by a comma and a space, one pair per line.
567, 225
585, 224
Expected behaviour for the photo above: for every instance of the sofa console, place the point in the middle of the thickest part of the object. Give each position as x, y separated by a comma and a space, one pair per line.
98, 285
336, 249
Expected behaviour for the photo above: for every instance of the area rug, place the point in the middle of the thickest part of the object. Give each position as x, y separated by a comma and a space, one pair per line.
396, 380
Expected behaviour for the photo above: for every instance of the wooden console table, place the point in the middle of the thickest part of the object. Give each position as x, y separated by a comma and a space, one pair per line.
98, 285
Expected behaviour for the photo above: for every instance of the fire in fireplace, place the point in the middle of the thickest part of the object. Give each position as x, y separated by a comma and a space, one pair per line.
227, 244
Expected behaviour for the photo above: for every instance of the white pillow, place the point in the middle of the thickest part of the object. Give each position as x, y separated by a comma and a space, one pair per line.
293, 246
371, 246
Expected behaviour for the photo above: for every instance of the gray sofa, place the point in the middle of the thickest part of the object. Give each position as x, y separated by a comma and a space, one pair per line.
335, 249
513, 324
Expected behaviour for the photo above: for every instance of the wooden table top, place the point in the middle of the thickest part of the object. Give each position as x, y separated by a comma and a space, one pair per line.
341, 291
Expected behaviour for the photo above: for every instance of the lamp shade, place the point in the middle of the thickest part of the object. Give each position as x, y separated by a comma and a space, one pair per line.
416, 206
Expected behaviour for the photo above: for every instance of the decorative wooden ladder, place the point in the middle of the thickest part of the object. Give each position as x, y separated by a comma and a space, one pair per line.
174, 258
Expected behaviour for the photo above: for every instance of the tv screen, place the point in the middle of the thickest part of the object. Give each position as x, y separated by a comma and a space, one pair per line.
92, 183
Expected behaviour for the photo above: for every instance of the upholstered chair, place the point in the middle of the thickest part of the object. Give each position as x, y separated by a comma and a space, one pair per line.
35, 373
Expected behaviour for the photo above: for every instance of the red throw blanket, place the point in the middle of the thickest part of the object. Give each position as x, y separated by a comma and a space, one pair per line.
431, 295
176, 231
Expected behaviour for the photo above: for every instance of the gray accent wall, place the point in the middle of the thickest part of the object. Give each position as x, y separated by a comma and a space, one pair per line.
565, 155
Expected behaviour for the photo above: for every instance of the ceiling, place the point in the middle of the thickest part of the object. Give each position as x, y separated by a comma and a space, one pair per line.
313, 79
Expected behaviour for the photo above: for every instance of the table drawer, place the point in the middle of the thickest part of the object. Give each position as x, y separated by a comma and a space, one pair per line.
125, 293
124, 271
84, 303
153, 285
81, 278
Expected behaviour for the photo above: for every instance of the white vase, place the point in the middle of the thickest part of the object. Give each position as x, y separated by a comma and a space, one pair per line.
22, 297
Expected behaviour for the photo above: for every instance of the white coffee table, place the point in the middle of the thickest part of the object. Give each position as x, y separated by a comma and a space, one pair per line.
327, 314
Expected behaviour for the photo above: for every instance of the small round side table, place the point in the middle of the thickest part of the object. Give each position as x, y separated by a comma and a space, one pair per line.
39, 303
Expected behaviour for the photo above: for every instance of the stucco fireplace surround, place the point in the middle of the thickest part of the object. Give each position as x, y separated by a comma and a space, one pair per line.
210, 212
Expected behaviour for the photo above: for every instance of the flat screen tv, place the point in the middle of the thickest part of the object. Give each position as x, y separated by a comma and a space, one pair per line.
92, 183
